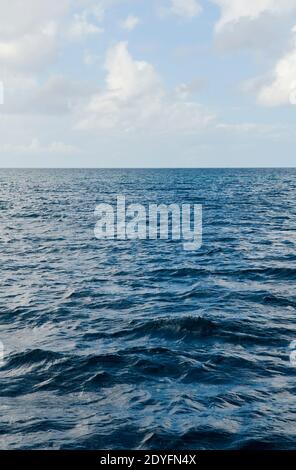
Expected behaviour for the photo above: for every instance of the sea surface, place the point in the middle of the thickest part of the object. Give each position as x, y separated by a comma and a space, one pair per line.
141, 344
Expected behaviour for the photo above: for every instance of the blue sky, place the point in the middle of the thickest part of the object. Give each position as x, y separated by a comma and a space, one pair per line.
148, 83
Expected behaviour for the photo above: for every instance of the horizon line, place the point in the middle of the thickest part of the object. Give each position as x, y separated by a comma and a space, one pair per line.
154, 168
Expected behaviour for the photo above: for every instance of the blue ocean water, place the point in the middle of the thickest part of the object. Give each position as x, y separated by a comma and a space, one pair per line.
140, 344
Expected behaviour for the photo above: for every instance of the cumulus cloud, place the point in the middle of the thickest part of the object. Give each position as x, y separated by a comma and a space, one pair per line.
234, 10
135, 98
17, 19
260, 25
130, 22
186, 8
281, 88
81, 27
28, 52
28, 35
264, 24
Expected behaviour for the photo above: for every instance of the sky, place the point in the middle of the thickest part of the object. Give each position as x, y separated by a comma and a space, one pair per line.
147, 83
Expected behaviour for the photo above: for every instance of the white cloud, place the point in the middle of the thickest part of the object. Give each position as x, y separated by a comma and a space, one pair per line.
234, 10
28, 35
187, 89
127, 77
28, 52
261, 25
186, 8
130, 22
81, 26
264, 24
98, 10
135, 99
281, 88
18, 18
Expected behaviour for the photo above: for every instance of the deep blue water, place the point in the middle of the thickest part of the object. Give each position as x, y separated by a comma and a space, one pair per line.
115, 345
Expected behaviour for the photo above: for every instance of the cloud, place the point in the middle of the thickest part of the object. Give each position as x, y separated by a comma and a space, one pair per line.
129, 110
36, 148
17, 20
28, 36
281, 89
260, 25
57, 96
191, 88
81, 27
28, 53
130, 22
135, 99
186, 8
264, 25
234, 10
248, 127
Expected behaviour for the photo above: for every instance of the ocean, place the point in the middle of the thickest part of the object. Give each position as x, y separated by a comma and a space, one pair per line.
140, 344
